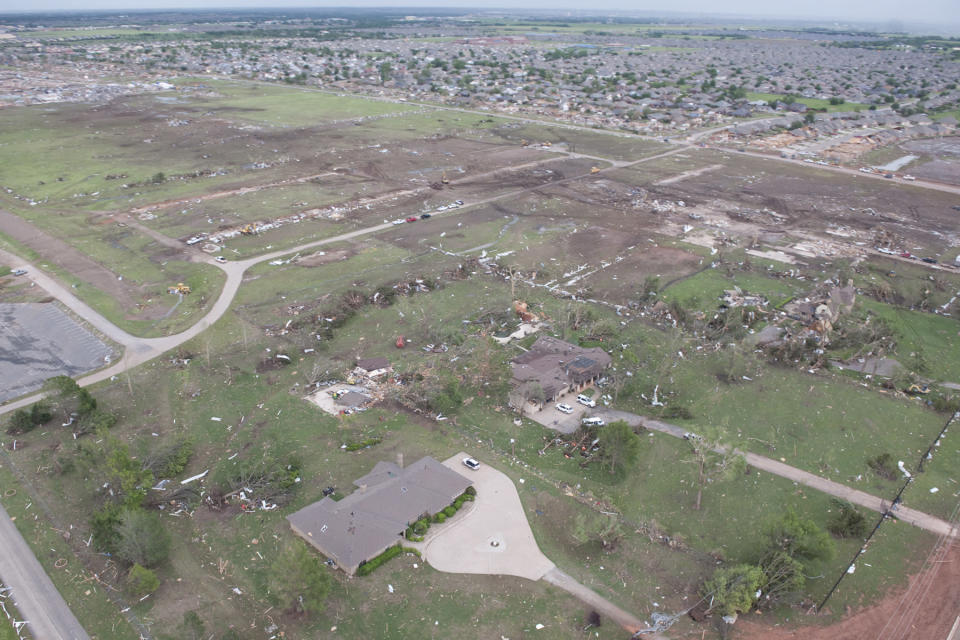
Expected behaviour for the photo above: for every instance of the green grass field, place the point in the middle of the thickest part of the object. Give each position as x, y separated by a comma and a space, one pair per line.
282, 106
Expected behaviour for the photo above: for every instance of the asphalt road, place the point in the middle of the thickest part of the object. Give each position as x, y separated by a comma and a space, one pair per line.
38, 601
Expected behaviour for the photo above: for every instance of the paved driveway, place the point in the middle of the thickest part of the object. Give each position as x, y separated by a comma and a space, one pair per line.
490, 537
551, 418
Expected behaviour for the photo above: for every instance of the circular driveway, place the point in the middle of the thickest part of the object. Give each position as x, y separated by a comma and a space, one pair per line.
490, 536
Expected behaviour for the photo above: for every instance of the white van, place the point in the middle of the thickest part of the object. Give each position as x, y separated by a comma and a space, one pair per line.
586, 401
595, 421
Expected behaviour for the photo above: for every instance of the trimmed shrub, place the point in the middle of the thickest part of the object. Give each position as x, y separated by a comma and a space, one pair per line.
458, 503
450, 511
470, 491
420, 526
440, 517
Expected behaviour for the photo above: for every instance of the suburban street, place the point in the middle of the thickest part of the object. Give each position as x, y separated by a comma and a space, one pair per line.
41, 605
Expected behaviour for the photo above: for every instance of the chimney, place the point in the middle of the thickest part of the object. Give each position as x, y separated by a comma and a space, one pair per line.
400, 459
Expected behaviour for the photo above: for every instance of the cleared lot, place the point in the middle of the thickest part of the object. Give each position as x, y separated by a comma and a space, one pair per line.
39, 341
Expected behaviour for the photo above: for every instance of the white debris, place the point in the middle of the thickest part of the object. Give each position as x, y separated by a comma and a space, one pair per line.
934, 489
851, 568
196, 477
216, 419
903, 468
390, 588
237, 591
539, 626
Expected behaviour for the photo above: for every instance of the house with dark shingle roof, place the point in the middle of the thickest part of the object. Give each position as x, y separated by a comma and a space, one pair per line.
555, 367
375, 516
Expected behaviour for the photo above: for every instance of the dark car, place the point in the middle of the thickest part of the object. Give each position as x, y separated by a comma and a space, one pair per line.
929, 260
425, 216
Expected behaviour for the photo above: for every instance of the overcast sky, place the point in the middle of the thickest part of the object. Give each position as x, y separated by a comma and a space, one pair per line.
906, 11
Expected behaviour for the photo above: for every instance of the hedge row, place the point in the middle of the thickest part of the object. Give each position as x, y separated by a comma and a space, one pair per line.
368, 567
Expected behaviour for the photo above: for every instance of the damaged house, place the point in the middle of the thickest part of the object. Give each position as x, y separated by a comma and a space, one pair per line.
551, 368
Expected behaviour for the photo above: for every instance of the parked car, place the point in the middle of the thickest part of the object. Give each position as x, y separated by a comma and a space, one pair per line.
929, 260
458, 202
564, 408
470, 463
586, 401
412, 219
19, 272
398, 221
595, 421
220, 259
425, 216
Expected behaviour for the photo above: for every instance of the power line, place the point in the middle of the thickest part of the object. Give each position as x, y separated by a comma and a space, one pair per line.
889, 513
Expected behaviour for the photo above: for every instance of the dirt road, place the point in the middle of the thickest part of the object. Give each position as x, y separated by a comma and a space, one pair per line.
37, 599
911, 516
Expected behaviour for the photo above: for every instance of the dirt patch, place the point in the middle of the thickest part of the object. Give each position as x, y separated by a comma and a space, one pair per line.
72, 260
939, 590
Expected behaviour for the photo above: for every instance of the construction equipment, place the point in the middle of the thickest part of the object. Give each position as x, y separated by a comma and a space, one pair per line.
180, 288
918, 389
444, 179
594, 169
524, 143
247, 230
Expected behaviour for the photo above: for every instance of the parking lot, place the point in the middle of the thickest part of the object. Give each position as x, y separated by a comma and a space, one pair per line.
40, 341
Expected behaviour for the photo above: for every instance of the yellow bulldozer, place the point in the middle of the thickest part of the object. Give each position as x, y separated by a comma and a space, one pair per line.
444, 179
594, 169
247, 230
180, 288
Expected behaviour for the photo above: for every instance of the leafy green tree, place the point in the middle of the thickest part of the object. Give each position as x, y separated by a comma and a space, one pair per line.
103, 526
847, 521
801, 538
783, 579
715, 462
142, 538
130, 480
733, 589
20, 422
619, 445
142, 581
386, 71
41, 413
299, 580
